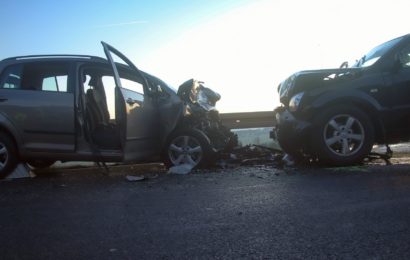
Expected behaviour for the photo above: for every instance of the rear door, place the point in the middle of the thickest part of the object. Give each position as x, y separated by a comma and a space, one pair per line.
135, 108
38, 99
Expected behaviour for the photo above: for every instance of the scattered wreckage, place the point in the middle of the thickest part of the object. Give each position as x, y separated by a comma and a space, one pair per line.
85, 108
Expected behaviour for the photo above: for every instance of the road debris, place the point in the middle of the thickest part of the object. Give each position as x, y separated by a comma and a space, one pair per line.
132, 178
251, 155
180, 169
385, 156
360, 168
22, 170
288, 160
256, 155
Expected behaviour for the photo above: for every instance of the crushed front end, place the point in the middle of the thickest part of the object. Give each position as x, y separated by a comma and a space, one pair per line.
201, 114
294, 118
291, 129
290, 132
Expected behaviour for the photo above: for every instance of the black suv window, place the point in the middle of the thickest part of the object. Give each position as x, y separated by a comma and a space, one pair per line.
43, 76
12, 77
55, 83
404, 57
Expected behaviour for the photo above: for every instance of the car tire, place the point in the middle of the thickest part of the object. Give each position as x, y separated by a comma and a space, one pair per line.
341, 136
8, 155
40, 164
188, 147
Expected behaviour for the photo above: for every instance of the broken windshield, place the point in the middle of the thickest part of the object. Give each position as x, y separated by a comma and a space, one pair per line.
375, 54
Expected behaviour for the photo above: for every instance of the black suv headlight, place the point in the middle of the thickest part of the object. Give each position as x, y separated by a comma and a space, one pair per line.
295, 102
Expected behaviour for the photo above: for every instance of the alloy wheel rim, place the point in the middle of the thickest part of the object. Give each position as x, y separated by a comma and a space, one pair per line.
344, 135
4, 156
185, 150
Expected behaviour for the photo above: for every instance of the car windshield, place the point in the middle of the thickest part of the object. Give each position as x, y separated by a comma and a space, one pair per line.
375, 54
158, 82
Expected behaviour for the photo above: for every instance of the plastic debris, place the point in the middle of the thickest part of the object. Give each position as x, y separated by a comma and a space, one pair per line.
132, 178
288, 160
21, 171
180, 169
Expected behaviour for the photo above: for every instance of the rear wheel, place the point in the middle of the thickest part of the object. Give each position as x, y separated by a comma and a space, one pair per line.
8, 155
342, 136
188, 147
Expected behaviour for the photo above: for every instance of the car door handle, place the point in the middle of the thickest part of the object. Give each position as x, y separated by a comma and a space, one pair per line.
130, 101
2, 99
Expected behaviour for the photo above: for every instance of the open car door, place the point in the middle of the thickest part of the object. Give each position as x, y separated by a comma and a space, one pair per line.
135, 110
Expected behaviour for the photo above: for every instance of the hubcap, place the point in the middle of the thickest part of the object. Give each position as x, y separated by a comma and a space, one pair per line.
185, 150
344, 135
4, 156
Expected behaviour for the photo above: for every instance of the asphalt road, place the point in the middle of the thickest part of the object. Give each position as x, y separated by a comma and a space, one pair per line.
248, 213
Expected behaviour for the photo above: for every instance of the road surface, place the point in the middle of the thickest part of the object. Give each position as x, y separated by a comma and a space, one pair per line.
243, 213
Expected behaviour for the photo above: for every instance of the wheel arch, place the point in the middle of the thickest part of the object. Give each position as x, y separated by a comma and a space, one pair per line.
360, 100
208, 151
8, 129
332, 155
183, 129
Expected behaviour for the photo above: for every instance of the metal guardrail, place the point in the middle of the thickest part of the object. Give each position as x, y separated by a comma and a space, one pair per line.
247, 119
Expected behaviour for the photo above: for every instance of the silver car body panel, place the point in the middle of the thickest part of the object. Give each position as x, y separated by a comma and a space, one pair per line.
44, 120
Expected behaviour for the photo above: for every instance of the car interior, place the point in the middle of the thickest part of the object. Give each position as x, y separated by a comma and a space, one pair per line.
101, 126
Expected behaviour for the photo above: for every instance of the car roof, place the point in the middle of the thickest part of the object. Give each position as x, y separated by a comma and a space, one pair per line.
56, 57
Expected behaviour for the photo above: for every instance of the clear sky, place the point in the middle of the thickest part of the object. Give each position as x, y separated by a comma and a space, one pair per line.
241, 48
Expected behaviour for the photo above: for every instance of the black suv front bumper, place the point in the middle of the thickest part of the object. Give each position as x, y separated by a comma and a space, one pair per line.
291, 133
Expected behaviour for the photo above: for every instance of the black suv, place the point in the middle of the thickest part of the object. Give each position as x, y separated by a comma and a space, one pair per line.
336, 115
77, 107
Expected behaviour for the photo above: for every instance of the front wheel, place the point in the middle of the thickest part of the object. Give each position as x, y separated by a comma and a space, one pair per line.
342, 136
188, 147
8, 155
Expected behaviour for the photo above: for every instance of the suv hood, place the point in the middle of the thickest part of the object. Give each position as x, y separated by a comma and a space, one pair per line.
312, 79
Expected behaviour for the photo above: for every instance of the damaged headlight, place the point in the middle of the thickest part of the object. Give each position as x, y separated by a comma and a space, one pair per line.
286, 86
295, 102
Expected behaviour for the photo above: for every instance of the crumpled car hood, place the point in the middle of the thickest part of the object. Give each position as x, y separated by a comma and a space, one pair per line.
311, 79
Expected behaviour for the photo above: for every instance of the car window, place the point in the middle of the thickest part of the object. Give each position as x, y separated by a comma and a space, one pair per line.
55, 83
158, 86
109, 89
129, 84
132, 85
45, 76
404, 57
40, 76
376, 53
11, 78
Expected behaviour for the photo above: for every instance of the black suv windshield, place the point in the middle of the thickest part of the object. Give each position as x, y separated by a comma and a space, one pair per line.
375, 54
